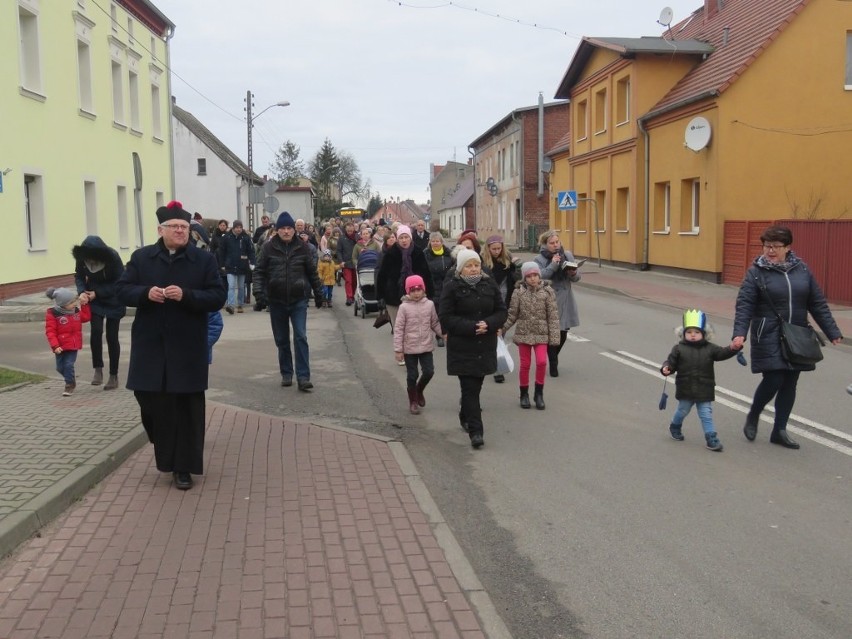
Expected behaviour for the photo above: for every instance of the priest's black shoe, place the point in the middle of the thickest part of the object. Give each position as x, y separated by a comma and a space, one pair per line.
750, 428
183, 481
783, 439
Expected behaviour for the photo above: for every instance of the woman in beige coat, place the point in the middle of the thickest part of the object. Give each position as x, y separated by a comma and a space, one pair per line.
533, 308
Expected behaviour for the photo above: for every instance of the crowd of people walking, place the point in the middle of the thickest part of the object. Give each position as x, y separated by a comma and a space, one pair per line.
463, 298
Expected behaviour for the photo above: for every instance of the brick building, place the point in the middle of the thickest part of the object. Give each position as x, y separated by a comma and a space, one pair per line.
510, 182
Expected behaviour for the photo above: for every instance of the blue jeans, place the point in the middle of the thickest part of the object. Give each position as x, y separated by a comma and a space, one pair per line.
327, 291
704, 410
281, 315
236, 289
65, 365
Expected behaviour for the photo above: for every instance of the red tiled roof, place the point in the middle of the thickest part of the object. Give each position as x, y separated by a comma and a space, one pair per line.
751, 27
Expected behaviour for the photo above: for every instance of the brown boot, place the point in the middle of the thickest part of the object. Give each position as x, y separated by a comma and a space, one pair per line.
413, 406
98, 377
69, 388
421, 401
112, 383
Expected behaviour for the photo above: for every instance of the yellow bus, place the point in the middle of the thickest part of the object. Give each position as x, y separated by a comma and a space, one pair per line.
352, 214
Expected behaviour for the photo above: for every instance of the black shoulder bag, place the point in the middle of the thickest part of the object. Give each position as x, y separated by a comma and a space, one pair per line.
800, 345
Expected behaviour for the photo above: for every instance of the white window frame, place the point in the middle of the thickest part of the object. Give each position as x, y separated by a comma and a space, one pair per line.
90, 206
156, 103
121, 209
34, 211
848, 68
29, 50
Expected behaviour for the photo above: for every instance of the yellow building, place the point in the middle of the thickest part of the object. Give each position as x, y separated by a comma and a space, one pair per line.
85, 146
739, 112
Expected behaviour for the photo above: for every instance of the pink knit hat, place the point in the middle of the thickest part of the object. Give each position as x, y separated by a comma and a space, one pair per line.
413, 280
402, 229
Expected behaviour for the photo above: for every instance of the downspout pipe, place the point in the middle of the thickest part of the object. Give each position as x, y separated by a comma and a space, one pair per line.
169, 36
646, 222
472, 153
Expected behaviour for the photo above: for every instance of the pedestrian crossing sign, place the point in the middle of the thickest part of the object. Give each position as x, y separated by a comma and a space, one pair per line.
566, 200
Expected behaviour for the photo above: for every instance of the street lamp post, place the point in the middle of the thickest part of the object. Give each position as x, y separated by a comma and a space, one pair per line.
249, 124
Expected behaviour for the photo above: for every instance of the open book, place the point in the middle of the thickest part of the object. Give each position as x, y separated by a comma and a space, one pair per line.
577, 264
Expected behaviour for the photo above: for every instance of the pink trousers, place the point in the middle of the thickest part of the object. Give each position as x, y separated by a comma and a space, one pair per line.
525, 351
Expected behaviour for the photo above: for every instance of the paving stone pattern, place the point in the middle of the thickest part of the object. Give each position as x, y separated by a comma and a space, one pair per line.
46, 436
294, 531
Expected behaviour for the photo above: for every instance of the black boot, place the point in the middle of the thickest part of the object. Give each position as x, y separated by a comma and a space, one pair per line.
781, 438
525, 396
750, 428
538, 396
553, 360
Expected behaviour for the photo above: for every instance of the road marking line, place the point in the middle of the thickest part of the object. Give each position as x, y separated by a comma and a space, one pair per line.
571, 337
642, 364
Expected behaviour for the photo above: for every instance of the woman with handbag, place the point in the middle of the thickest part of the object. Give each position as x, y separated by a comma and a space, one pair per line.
778, 287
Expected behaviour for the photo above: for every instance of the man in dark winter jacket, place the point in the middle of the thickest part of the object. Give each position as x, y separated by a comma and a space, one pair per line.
97, 270
236, 256
173, 285
284, 278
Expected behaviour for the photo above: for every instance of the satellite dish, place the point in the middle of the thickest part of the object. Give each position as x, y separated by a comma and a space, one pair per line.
697, 134
546, 165
666, 16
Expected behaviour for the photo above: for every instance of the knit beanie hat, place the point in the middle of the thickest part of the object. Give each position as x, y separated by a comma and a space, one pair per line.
402, 229
285, 219
414, 280
471, 235
237, 223
494, 239
464, 256
61, 296
529, 267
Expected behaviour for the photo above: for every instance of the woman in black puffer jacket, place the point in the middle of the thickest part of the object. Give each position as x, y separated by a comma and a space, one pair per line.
794, 293
441, 267
98, 269
398, 262
472, 310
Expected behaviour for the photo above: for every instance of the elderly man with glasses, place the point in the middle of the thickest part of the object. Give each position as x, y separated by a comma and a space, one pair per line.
174, 286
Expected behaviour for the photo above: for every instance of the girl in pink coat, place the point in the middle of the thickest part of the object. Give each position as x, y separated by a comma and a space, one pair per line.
415, 324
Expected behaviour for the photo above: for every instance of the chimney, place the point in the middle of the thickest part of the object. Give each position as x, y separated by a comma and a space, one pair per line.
711, 8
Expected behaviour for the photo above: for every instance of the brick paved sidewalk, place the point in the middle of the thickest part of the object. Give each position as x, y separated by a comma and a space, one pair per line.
56, 448
295, 531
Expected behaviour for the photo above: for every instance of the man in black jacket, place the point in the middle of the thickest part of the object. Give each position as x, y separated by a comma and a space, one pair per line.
283, 279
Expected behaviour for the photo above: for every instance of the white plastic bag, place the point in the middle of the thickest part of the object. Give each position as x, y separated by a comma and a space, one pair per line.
505, 363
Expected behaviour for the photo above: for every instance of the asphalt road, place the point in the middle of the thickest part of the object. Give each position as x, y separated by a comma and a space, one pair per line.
586, 519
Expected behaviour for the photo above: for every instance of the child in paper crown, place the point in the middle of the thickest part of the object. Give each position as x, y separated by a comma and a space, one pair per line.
416, 322
327, 271
533, 308
63, 327
693, 359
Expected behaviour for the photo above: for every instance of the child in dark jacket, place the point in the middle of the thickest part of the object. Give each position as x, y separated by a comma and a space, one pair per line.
63, 327
693, 359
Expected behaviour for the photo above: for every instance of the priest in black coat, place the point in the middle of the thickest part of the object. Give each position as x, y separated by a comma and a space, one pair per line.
173, 285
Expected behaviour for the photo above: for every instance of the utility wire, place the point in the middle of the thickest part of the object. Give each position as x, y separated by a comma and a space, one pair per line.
171, 70
458, 5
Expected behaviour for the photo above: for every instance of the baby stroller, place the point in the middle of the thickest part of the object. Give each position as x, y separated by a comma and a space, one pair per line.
366, 300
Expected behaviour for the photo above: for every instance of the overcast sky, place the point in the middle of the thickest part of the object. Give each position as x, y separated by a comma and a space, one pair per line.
398, 85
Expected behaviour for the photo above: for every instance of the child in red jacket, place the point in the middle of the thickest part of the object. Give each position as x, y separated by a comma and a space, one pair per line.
63, 326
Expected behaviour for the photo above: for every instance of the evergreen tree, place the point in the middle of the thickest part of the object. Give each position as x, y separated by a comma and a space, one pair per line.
288, 166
